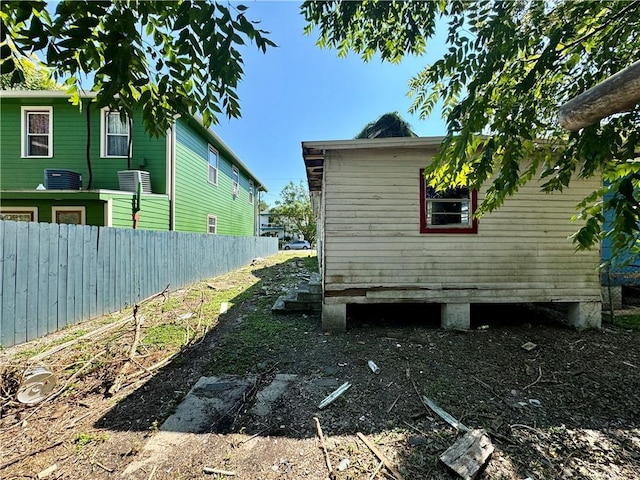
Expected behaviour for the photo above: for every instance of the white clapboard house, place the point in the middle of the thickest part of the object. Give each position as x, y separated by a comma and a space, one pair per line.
384, 236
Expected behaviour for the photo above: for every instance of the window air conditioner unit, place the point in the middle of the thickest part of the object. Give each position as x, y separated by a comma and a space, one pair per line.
58, 179
129, 180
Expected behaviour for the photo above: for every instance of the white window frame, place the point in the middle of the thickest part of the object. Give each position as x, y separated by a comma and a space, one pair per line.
235, 181
21, 210
104, 124
212, 168
252, 190
81, 209
24, 114
215, 224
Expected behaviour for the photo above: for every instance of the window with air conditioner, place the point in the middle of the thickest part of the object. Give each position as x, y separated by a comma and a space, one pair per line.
447, 211
37, 132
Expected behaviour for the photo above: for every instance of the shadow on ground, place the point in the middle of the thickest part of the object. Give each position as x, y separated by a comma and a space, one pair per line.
566, 408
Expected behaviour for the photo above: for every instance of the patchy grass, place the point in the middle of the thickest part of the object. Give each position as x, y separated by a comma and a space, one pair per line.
166, 335
259, 337
631, 322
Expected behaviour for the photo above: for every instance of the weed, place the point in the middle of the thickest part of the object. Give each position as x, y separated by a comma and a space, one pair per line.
84, 439
153, 428
311, 263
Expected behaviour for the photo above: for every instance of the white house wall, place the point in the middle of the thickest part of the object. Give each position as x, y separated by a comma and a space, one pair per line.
374, 251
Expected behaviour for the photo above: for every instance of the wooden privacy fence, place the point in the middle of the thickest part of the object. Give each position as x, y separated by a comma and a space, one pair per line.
53, 275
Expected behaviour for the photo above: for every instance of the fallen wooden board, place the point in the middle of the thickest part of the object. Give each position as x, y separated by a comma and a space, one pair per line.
381, 457
469, 454
331, 398
444, 415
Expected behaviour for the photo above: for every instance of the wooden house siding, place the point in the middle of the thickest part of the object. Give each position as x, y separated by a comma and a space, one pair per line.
372, 240
196, 198
153, 214
69, 148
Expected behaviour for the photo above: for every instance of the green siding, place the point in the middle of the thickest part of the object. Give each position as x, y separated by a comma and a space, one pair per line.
196, 198
69, 148
153, 215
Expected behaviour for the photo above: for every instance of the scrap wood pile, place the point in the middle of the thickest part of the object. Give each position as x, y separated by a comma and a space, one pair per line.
53, 390
466, 457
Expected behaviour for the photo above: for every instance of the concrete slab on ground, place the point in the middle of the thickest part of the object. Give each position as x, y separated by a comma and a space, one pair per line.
209, 398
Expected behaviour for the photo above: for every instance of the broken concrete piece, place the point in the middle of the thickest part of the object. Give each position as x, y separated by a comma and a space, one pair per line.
529, 346
469, 454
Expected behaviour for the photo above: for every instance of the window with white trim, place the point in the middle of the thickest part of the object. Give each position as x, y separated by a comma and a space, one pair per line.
37, 132
19, 214
448, 211
71, 215
251, 191
114, 138
213, 165
212, 224
235, 182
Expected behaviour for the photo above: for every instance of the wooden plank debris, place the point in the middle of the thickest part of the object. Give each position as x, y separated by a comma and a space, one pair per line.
332, 474
469, 454
47, 471
381, 457
332, 398
444, 415
217, 471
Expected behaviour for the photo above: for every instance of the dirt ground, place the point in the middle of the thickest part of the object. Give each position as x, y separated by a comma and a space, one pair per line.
567, 409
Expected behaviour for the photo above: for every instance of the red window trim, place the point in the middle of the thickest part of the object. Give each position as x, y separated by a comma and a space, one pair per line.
424, 228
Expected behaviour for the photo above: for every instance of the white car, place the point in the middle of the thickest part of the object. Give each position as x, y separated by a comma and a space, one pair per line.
297, 245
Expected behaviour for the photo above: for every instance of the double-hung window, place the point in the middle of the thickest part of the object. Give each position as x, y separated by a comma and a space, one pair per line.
235, 182
37, 132
115, 135
212, 224
213, 165
251, 191
448, 211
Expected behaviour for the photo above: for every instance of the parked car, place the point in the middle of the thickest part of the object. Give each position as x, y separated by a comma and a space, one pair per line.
297, 245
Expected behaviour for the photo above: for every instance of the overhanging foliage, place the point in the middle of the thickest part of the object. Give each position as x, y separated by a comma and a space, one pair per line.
508, 68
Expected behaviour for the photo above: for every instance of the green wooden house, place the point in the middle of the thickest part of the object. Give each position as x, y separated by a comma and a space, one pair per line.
94, 167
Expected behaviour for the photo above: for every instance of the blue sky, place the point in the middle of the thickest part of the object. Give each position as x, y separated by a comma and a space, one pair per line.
299, 92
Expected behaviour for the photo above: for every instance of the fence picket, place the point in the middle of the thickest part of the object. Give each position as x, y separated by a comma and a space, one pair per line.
63, 274
9, 267
52, 235
33, 280
22, 259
